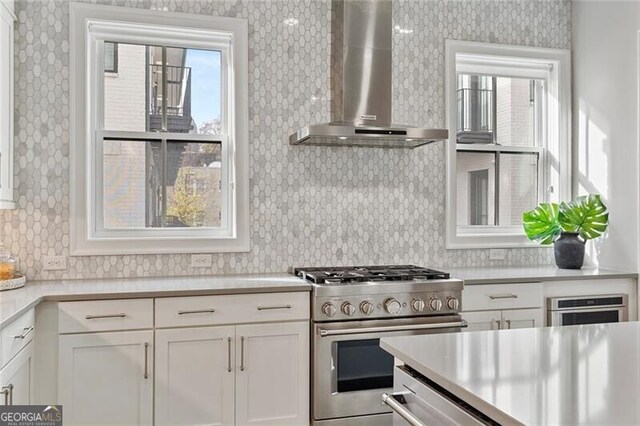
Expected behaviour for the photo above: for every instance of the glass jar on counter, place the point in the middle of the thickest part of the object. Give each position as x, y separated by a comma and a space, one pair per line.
7, 265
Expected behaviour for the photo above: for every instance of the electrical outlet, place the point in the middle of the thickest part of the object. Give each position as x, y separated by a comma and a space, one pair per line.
54, 263
201, 261
497, 254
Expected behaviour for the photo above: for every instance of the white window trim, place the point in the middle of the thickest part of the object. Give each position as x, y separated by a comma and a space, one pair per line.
193, 31
555, 66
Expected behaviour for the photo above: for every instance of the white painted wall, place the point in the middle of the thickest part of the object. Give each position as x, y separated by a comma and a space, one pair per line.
605, 121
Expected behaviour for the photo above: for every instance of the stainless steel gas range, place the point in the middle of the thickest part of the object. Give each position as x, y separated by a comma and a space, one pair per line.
352, 308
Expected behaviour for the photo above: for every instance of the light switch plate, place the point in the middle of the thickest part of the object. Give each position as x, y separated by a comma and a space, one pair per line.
497, 254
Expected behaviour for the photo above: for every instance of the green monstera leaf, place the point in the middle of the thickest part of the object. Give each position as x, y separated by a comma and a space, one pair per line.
585, 215
541, 224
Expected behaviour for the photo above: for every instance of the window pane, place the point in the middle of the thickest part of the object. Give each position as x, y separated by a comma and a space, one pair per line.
132, 184
125, 93
518, 187
135, 98
194, 90
194, 196
475, 109
475, 188
498, 110
110, 57
515, 111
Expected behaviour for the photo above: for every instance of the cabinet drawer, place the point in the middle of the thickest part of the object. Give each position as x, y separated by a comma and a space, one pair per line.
16, 335
105, 315
502, 296
237, 308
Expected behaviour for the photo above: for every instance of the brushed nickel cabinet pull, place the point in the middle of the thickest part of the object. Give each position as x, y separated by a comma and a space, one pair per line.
508, 324
7, 391
197, 311
25, 331
146, 360
121, 315
242, 353
499, 324
503, 296
229, 354
270, 308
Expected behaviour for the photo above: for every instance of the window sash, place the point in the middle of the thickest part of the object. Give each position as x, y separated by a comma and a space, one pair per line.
227, 187
100, 33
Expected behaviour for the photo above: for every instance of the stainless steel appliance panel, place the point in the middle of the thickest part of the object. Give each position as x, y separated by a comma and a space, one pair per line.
596, 309
336, 393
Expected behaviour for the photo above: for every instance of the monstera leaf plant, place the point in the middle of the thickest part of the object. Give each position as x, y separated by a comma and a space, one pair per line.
567, 226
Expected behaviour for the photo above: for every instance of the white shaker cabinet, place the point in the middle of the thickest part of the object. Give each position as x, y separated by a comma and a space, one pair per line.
106, 377
6, 103
272, 374
195, 376
483, 320
16, 378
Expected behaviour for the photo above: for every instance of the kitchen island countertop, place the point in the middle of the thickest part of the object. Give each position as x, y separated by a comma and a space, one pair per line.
588, 374
14, 302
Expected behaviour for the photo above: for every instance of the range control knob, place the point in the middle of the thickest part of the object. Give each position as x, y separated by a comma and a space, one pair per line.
348, 309
435, 304
418, 305
367, 308
392, 306
453, 303
329, 310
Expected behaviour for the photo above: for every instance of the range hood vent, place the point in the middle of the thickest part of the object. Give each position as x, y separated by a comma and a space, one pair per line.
361, 83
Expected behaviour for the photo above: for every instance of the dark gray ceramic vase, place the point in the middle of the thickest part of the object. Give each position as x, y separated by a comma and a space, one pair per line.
569, 250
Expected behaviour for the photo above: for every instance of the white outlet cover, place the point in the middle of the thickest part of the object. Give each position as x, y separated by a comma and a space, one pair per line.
201, 260
497, 254
54, 263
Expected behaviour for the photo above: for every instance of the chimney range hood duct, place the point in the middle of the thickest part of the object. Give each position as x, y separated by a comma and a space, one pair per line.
361, 72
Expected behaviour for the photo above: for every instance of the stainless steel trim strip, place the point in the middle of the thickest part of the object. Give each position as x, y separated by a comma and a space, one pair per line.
24, 333
269, 308
146, 360
395, 405
323, 332
197, 311
121, 315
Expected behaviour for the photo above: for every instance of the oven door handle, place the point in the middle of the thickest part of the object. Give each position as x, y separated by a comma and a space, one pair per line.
395, 402
435, 326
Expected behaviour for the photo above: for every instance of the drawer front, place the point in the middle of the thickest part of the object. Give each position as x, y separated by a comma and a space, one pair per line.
16, 335
237, 309
105, 315
502, 296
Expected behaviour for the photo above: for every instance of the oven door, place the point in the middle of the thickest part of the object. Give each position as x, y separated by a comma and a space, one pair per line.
351, 371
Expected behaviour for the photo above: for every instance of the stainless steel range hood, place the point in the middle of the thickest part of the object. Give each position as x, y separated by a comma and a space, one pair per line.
361, 83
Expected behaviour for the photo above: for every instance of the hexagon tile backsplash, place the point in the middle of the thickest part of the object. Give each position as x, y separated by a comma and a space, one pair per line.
309, 205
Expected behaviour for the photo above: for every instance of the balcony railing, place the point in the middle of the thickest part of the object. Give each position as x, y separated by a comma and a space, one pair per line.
178, 96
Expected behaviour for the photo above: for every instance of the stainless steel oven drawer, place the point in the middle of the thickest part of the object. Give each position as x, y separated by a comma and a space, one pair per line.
413, 402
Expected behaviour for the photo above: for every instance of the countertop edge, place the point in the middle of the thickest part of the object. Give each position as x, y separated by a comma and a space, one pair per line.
61, 297
468, 397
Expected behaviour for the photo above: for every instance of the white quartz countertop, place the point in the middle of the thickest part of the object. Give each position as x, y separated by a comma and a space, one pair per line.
588, 374
514, 274
15, 302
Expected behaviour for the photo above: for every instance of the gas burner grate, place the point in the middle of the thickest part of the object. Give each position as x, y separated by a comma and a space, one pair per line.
350, 274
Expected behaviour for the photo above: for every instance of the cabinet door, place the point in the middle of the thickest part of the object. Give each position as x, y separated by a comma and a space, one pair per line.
272, 376
522, 318
16, 378
483, 320
106, 377
194, 382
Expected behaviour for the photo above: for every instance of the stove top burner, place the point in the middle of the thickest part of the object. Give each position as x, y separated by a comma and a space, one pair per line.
350, 274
